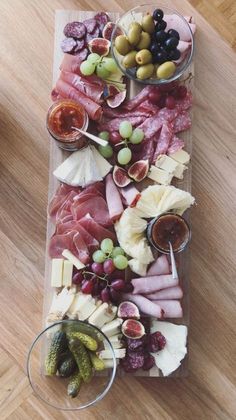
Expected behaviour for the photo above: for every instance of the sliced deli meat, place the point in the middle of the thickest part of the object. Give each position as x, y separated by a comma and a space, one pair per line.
130, 195
113, 125
145, 305
182, 122
91, 90
167, 294
96, 206
153, 283
139, 98
171, 308
75, 30
113, 199
160, 266
74, 225
164, 141
96, 230
175, 145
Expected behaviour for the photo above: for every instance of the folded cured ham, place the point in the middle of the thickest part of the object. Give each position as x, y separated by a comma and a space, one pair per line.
171, 308
153, 283
145, 305
167, 294
160, 266
113, 199
89, 89
95, 229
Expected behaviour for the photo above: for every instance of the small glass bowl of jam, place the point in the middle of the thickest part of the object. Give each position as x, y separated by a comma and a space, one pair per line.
61, 117
169, 227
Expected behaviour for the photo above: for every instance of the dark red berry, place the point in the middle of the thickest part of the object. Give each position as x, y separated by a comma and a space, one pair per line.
87, 287
170, 102
118, 284
105, 295
115, 137
77, 278
154, 96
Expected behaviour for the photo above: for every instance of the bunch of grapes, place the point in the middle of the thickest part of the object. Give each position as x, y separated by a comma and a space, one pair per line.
166, 96
103, 66
105, 278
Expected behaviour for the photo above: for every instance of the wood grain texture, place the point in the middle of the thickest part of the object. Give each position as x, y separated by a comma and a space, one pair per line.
26, 49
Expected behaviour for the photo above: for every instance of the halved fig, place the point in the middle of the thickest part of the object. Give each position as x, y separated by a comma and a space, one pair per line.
132, 328
115, 101
127, 310
100, 46
107, 30
139, 170
120, 177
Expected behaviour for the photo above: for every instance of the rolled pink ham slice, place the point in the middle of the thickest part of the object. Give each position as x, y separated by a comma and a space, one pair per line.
171, 308
152, 284
145, 305
113, 199
167, 294
160, 266
130, 194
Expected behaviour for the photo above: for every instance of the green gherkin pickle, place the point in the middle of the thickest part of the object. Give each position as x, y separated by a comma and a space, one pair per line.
67, 366
82, 359
57, 347
97, 363
89, 342
74, 385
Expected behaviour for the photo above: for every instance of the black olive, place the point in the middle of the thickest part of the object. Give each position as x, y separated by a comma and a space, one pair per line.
171, 43
172, 33
158, 15
174, 54
154, 48
160, 25
161, 36
160, 57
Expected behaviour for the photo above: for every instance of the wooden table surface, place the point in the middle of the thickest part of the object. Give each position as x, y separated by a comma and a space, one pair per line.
26, 53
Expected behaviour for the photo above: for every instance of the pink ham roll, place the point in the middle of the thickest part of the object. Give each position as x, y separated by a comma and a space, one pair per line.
152, 284
130, 195
160, 266
145, 305
167, 294
113, 199
171, 308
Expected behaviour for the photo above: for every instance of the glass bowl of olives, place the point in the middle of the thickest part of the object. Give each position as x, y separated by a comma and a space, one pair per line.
71, 365
153, 45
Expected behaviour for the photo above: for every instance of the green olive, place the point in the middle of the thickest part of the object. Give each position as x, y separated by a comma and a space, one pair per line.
144, 57
134, 36
144, 72
129, 60
148, 24
136, 25
144, 41
122, 45
166, 70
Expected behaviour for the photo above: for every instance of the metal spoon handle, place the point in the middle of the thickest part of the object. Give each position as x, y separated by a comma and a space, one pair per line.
173, 263
92, 137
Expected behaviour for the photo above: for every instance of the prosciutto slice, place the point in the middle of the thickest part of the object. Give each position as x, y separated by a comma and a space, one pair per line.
91, 243
67, 91
138, 99
160, 266
81, 248
58, 243
96, 230
96, 206
171, 308
145, 305
153, 283
71, 63
167, 294
89, 89
163, 141
113, 199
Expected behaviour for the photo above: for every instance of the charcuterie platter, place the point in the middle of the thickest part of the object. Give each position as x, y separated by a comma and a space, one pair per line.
117, 209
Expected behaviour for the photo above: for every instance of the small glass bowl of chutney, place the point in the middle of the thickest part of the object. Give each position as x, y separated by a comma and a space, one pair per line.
61, 117
169, 228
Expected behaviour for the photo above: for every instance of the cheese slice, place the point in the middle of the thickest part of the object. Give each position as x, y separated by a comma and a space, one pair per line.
179, 171
60, 304
68, 168
102, 164
79, 178
67, 273
102, 315
138, 267
160, 176
92, 171
74, 260
112, 328
166, 163
181, 157
119, 354
57, 272
116, 342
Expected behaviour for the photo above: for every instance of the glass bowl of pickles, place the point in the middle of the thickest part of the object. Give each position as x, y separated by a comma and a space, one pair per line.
153, 44
71, 365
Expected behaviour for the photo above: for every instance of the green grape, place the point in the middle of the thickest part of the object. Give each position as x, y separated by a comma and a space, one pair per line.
137, 136
104, 135
102, 72
106, 151
107, 245
125, 129
87, 68
110, 64
120, 262
117, 251
99, 256
93, 58
124, 156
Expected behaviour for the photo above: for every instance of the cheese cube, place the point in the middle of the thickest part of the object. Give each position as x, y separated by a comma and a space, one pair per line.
74, 260
106, 354
102, 315
166, 163
113, 327
181, 156
57, 272
67, 273
160, 176
179, 171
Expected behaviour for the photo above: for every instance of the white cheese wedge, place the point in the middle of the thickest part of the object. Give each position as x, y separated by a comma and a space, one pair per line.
84, 306
160, 176
57, 272
109, 363
138, 267
112, 328
119, 354
181, 157
60, 304
179, 171
92, 172
67, 273
166, 163
68, 168
105, 313
74, 260
169, 359
116, 342
102, 164
79, 178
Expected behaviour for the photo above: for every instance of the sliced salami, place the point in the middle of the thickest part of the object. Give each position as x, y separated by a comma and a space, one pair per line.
163, 141
82, 54
102, 18
175, 145
114, 113
90, 25
113, 125
147, 106
94, 34
138, 99
182, 122
68, 45
80, 44
152, 125
75, 30
186, 103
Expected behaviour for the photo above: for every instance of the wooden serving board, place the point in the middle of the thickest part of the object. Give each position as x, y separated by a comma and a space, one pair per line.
57, 156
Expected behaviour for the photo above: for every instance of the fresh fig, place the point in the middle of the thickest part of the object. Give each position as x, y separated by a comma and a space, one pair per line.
107, 31
99, 46
139, 170
132, 328
120, 177
129, 310
116, 100
112, 90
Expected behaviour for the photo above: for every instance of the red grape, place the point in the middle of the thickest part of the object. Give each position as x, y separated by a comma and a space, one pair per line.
115, 137
108, 266
96, 289
105, 294
128, 287
154, 96
118, 284
117, 274
182, 92
162, 101
97, 268
87, 287
170, 102
115, 295
77, 278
